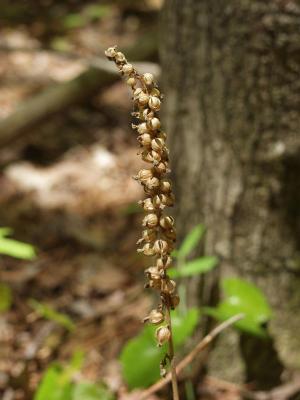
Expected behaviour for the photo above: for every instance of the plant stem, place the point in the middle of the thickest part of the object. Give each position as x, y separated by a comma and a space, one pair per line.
171, 356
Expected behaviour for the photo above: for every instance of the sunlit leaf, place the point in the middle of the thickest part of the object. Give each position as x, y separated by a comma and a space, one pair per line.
140, 357
53, 387
190, 241
5, 297
51, 314
194, 267
90, 391
243, 297
14, 248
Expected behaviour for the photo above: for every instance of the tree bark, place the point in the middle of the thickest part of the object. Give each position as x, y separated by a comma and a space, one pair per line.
231, 83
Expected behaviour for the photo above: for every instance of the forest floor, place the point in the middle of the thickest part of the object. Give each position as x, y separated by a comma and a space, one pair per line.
67, 189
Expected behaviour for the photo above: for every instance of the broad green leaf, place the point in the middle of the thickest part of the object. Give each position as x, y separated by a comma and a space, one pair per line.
90, 391
190, 241
5, 297
53, 387
243, 297
48, 312
194, 267
15, 248
140, 357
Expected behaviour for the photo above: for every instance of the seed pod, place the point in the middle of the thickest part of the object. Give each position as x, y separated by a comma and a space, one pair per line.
144, 175
160, 247
147, 114
119, 57
165, 186
154, 123
162, 135
154, 103
147, 204
163, 262
150, 220
131, 81
149, 235
155, 317
155, 92
127, 69
147, 156
174, 301
157, 144
161, 168
168, 286
142, 128
148, 78
156, 156
166, 222
152, 183
145, 140
143, 98
162, 335
136, 93
153, 273
147, 249
111, 52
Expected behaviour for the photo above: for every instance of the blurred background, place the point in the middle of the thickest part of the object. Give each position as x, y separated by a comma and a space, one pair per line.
71, 282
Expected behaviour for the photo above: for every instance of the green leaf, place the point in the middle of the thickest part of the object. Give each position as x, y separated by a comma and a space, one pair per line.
140, 357
5, 297
243, 297
91, 391
190, 241
48, 312
194, 267
15, 248
53, 387
97, 11
75, 20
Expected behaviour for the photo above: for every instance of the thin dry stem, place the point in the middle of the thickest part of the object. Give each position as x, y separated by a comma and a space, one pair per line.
191, 356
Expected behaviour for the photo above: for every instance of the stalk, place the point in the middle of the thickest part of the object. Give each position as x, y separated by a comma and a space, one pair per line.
158, 236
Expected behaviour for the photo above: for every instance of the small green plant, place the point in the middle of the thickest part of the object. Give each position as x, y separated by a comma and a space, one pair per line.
51, 314
58, 383
14, 248
243, 297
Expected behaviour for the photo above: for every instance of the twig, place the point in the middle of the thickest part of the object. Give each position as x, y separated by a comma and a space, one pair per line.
172, 361
190, 357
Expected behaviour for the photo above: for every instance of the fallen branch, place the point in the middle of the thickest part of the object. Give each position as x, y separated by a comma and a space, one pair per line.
61, 96
191, 356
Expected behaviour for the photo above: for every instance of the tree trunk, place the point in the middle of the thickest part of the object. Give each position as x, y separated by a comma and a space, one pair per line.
231, 83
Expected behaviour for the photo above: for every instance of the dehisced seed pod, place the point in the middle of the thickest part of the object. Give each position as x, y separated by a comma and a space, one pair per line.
143, 98
119, 57
127, 69
168, 286
149, 235
151, 183
161, 168
147, 249
147, 114
154, 123
144, 175
145, 140
155, 317
166, 222
163, 262
111, 52
142, 128
160, 247
153, 273
147, 204
150, 220
131, 82
157, 144
154, 103
165, 186
148, 78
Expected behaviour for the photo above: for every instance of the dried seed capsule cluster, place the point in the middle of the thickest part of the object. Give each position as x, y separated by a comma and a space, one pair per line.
159, 234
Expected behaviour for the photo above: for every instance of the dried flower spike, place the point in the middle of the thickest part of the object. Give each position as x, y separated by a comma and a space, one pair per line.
159, 233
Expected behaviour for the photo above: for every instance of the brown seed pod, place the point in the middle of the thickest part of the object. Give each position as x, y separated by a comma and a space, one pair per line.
157, 144
147, 204
143, 98
162, 335
111, 52
163, 262
155, 317
147, 249
147, 114
119, 57
168, 286
153, 273
127, 69
166, 222
154, 103
148, 78
142, 128
161, 168
145, 140
154, 124
170, 234
144, 175
150, 220
152, 183
174, 300
161, 247
149, 235
131, 81
155, 92
165, 186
